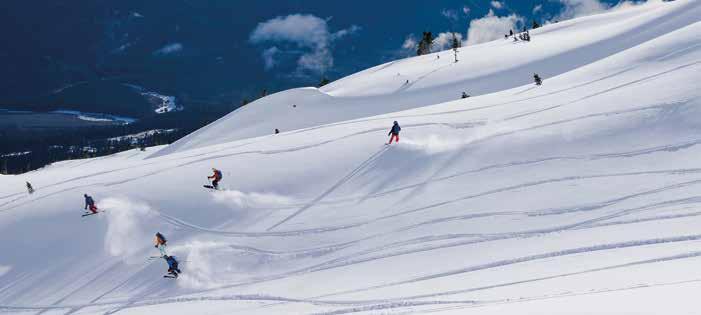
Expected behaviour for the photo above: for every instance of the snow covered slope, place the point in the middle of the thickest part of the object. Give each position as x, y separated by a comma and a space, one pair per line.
491, 67
578, 196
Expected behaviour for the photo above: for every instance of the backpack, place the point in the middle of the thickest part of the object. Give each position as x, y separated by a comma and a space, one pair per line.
218, 174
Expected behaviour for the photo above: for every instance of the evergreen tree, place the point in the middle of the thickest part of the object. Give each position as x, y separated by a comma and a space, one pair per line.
456, 45
425, 44
324, 81
456, 42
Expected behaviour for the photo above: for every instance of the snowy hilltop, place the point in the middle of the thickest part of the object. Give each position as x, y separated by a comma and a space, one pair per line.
578, 195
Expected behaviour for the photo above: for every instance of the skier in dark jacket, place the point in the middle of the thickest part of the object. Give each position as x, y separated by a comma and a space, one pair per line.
30, 189
537, 79
216, 178
90, 203
394, 132
173, 269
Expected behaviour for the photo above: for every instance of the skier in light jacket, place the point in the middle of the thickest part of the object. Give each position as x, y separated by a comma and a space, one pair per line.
160, 242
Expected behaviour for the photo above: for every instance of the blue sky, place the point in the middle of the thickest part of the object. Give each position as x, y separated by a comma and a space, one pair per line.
225, 50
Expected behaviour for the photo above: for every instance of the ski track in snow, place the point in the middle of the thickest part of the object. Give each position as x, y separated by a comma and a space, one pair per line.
413, 116
350, 261
578, 208
342, 181
644, 151
427, 124
523, 233
512, 102
506, 262
406, 300
691, 64
353, 258
398, 206
655, 107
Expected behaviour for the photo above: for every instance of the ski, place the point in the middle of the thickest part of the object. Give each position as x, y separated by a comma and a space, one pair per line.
90, 213
168, 276
209, 186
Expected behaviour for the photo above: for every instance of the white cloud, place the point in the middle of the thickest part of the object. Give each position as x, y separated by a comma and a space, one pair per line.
269, 57
630, 4
445, 41
497, 4
577, 8
537, 8
306, 31
344, 32
491, 27
450, 14
171, 48
303, 29
442, 41
317, 61
409, 46
410, 43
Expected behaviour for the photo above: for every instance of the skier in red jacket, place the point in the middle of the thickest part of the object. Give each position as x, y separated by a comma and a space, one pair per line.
216, 177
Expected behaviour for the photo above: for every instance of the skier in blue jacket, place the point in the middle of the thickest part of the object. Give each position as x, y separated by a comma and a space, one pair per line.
90, 203
394, 132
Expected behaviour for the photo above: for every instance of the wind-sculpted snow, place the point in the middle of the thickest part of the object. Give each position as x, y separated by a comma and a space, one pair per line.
580, 195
